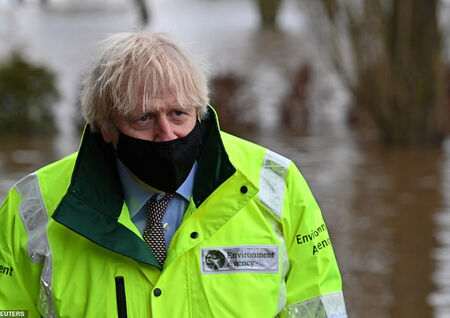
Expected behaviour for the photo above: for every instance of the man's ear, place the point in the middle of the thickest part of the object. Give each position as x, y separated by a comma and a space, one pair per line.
105, 133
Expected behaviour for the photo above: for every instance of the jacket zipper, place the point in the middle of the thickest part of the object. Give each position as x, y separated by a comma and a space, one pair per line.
121, 298
178, 230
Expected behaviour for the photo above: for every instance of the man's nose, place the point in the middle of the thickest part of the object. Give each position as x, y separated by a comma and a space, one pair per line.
164, 130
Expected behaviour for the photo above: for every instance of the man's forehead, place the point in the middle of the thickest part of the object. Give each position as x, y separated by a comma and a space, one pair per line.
159, 104
156, 104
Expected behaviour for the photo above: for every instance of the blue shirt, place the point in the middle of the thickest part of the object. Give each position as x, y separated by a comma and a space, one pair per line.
136, 195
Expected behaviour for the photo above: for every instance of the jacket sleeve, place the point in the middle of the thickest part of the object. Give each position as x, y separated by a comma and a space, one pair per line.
19, 276
313, 282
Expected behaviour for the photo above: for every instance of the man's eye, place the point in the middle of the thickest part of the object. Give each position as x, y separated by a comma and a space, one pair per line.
144, 118
178, 112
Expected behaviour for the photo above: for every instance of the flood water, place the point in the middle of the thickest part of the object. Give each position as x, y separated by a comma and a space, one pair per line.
388, 211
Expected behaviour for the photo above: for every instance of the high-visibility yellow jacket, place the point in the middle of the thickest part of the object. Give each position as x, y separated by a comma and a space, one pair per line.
252, 243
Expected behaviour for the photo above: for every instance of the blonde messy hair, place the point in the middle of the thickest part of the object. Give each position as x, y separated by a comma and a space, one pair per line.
144, 66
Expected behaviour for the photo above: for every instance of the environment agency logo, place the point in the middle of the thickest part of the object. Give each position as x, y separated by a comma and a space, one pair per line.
215, 259
240, 259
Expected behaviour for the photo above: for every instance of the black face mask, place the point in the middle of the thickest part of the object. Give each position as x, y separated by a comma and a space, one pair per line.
162, 165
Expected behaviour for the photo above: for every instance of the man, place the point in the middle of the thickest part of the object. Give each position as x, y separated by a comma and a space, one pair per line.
159, 214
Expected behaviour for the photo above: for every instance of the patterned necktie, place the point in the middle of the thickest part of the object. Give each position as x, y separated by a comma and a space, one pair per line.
154, 232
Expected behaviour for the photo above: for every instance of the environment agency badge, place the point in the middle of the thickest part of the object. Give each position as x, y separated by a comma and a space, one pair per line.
240, 259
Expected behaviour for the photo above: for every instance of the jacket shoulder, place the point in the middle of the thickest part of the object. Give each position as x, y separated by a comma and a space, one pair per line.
261, 165
51, 181
245, 156
61, 166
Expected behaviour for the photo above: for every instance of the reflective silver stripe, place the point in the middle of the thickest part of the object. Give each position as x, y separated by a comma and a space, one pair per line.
271, 193
282, 296
325, 306
34, 217
272, 181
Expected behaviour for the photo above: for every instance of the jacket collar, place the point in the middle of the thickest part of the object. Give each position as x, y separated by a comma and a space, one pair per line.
94, 200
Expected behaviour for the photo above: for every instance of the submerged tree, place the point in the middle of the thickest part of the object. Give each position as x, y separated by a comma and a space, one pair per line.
144, 14
27, 93
389, 54
268, 10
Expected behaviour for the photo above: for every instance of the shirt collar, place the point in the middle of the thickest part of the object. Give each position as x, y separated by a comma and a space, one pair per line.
136, 194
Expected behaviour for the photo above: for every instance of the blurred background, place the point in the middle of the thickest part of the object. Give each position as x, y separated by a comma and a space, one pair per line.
357, 93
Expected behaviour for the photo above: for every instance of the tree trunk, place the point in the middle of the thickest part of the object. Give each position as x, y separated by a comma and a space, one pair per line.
416, 110
143, 11
399, 72
268, 10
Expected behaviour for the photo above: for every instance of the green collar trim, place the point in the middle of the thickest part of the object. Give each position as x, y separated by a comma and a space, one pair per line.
214, 166
94, 200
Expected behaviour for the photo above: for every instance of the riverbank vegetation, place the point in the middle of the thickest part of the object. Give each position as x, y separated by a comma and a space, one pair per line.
27, 94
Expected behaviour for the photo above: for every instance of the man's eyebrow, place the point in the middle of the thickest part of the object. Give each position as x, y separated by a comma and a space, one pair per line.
144, 111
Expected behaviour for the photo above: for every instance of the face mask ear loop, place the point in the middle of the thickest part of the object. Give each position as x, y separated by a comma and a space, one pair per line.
198, 123
115, 129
